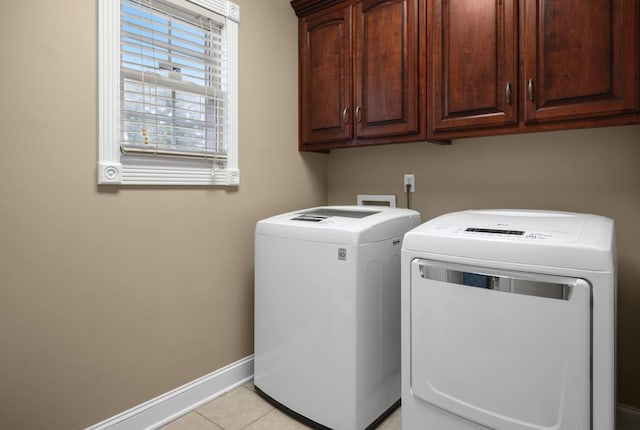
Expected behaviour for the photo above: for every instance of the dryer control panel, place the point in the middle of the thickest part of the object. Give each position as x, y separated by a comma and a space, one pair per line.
505, 232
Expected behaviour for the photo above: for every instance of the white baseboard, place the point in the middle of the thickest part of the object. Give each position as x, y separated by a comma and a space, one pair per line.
175, 403
169, 406
627, 418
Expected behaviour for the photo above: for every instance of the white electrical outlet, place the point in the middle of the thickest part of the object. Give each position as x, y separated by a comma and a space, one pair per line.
410, 180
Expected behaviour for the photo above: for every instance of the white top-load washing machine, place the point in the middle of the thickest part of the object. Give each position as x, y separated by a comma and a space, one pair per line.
508, 322
327, 312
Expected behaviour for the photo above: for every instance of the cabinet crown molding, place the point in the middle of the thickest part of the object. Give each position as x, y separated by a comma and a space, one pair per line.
307, 7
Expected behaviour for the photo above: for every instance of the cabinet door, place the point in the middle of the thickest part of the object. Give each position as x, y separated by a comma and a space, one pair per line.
387, 68
325, 78
473, 69
579, 59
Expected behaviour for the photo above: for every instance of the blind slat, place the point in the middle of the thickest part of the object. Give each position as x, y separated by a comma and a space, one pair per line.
137, 149
152, 23
193, 46
138, 77
192, 16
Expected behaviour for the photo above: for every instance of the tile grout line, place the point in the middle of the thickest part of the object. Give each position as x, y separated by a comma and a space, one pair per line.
244, 427
211, 421
261, 416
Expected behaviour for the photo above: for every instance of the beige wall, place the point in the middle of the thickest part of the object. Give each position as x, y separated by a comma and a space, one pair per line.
109, 297
593, 171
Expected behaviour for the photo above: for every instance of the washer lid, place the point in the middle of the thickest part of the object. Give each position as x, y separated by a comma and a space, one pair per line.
558, 239
349, 225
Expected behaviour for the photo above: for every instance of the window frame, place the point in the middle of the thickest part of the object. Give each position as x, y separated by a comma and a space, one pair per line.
116, 168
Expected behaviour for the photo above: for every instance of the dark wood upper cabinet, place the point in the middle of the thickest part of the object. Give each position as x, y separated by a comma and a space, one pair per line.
509, 66
579, 60
362, 72
474, 63
386, 68
325, 77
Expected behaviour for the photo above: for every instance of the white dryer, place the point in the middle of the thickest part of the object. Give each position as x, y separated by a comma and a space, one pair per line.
327, 312
508, 322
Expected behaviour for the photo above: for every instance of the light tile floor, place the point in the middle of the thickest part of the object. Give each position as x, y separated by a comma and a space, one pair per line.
242, 409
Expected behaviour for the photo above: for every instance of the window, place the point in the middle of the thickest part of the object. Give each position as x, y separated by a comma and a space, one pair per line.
168, 92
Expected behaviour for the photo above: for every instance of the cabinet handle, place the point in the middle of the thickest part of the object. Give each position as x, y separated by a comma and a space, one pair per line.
345, 118
358, 109
530, 87
508, 92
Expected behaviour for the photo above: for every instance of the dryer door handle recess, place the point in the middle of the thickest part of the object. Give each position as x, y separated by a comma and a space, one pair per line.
506, 282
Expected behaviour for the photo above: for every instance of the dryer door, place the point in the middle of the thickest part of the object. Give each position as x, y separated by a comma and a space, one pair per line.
507, 350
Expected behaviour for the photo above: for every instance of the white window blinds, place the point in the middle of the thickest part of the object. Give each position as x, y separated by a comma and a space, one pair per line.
173, 84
